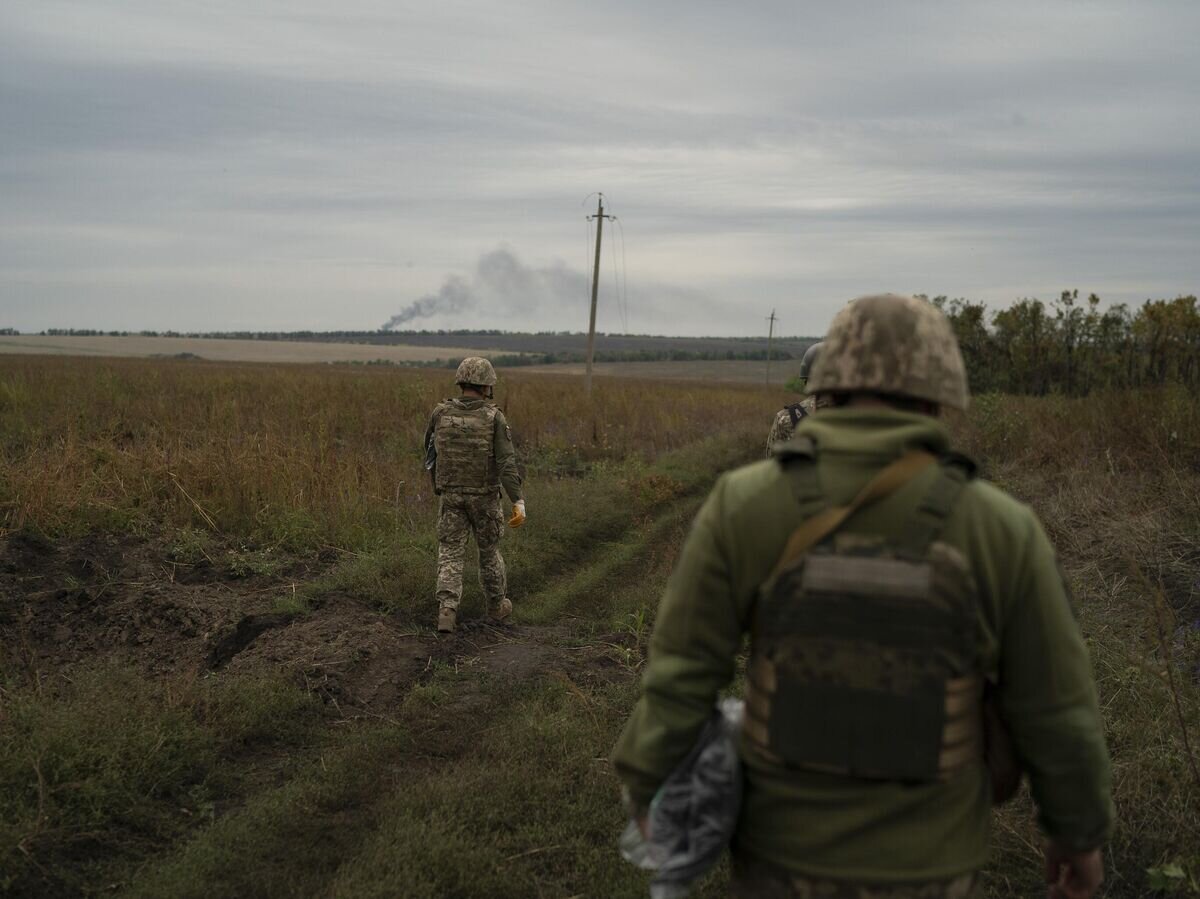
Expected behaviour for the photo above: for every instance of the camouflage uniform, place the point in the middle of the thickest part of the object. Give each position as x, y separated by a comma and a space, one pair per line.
817, 824
461, 515
787, 419
790, 416
472, 444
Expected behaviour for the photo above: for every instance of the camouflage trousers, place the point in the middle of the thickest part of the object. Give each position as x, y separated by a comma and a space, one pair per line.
753, 879
461, 515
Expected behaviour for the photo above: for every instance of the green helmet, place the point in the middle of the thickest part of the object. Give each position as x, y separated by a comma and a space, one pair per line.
811, 355
475, 371
892, 345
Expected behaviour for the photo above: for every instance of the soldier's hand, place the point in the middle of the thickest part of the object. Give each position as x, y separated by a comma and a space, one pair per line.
518, 516
1073, 875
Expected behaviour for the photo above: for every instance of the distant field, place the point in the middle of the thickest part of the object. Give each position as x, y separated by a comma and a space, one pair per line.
219, 349
546, 342
737, 371
227, 350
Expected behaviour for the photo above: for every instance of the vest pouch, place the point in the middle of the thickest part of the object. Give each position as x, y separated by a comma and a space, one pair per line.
463, 438
863, 650
864, 733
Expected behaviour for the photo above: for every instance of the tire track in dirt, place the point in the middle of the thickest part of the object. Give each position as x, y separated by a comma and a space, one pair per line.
477, 675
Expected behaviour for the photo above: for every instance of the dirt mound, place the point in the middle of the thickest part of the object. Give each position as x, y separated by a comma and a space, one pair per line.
348, 654
358, 658
74, 602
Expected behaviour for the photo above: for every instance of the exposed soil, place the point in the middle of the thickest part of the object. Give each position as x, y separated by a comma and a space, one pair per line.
62, 603
78, 602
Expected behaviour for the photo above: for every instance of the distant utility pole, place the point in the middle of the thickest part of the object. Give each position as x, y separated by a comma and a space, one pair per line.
599, 218
770, 334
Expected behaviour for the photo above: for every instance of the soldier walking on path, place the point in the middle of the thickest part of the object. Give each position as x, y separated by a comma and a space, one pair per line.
470, 453
790, 416
907, 620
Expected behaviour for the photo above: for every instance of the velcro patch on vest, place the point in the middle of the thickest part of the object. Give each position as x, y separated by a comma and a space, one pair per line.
872, 577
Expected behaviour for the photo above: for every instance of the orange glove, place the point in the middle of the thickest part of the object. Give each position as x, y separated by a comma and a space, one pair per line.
518, 516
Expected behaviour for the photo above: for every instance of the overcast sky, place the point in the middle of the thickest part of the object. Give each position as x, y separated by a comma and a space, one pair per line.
301, 164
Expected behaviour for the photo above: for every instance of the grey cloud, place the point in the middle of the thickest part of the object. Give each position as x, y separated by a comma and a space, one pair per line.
796, 151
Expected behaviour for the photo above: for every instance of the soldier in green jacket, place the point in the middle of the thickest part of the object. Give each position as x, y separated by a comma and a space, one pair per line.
470, 453
885, 588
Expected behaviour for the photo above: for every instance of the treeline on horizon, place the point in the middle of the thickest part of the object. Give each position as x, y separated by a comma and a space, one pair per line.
1073, 346
1069, 346
381, 335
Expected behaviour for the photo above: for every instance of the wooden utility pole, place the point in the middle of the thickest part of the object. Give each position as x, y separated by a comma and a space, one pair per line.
770, 334
591, 344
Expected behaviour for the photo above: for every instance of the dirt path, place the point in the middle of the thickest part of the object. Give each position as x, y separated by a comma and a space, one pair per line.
68, 606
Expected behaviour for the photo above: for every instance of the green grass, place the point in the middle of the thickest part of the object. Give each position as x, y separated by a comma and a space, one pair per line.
114, 766
475, 784
1114, 479
573, 521
182, 798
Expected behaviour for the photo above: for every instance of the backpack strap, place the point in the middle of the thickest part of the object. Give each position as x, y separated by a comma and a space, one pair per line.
927, 521
798, 457
817, 527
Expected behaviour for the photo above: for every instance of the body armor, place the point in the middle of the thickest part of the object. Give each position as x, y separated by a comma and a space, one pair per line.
463, 439
864, 658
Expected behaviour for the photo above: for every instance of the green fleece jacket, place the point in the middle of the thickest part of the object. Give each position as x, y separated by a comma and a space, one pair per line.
834, 826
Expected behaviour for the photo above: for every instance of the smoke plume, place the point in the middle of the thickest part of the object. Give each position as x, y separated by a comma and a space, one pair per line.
500, 284
454, 296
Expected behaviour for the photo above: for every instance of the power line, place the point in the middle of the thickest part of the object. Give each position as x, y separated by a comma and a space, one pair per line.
587, 250
621, 313
624, 275
770, 336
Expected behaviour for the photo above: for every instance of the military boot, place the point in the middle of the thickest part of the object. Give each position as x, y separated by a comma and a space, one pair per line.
501, 611
446, 619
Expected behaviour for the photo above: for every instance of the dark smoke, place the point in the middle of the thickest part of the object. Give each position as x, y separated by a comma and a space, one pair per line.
499, 284
454, 296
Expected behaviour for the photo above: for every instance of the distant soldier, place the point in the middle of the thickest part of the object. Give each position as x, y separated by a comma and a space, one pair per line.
791, 415
899, 610
470, 453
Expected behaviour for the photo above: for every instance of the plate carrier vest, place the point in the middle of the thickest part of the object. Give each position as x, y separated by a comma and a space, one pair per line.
864, 658
465, 455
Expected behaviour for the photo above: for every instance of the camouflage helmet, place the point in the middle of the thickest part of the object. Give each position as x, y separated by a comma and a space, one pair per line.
811, 355
475, 371
892, 345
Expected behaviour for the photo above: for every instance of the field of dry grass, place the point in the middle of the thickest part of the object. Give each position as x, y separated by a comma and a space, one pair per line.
218, 675
295, 454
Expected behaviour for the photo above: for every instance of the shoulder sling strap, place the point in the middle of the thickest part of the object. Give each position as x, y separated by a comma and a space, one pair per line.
824, 523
